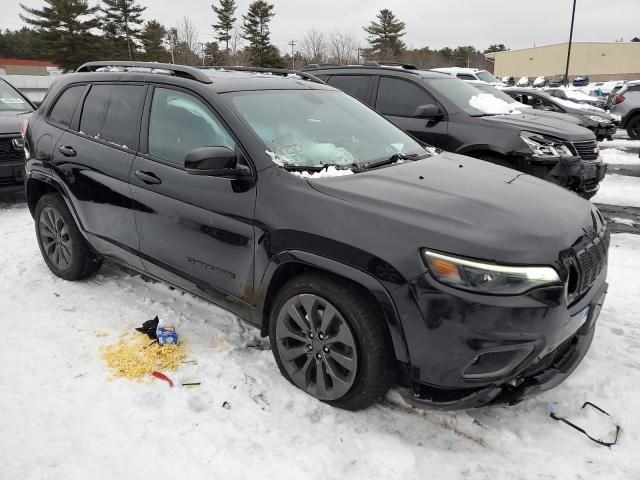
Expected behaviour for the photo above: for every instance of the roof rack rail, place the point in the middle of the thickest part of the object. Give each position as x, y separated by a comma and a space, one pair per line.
310, 66
274, 71
182, 71
406, 66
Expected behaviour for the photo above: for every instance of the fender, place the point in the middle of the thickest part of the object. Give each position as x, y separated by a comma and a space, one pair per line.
465, 149
290, 257
35, 176
629, 116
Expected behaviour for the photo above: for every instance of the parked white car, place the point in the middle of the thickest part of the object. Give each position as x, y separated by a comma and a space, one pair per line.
471, 74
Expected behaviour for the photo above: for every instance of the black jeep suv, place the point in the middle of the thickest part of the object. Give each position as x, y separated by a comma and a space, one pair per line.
367, 259
455, 116
14, 109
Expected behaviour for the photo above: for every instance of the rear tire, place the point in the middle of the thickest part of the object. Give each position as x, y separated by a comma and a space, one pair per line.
63, 248
329, 340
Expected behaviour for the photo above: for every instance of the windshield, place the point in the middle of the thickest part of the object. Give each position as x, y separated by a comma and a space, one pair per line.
471, 100
486, 77
316, 128
11, 100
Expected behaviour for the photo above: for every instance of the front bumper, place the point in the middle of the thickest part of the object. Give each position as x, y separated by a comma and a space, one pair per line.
468, 350
576, 174
604, 131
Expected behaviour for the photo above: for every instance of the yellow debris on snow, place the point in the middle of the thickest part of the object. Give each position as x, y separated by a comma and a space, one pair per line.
133, 356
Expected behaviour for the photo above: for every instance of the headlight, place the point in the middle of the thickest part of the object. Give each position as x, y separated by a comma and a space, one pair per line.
597, 118
486, 277
544, 147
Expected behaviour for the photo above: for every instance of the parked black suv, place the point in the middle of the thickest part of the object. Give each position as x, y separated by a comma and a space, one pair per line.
463, 282
14, 108
455, 116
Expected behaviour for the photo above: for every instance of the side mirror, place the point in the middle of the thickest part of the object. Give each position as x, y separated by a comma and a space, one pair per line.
214, 162
428, 111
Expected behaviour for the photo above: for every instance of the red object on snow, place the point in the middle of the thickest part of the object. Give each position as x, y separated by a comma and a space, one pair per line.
162, 376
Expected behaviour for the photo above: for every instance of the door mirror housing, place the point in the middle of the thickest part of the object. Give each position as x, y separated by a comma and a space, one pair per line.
214, 162
428, 111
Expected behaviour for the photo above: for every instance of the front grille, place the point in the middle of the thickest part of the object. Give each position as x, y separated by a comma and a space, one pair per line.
8, 153
591, 258
587, 150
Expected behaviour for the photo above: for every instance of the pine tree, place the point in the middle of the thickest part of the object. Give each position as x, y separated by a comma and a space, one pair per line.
384, 35
255, 29
65, 27
226, 21
124, 18
152, 38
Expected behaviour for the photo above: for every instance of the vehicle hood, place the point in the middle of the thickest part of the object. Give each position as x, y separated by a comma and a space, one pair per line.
542, 124
10, 121
556, 115
464, 206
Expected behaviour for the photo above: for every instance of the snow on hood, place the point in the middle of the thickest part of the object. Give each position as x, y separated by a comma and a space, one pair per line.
579, 106
487, 103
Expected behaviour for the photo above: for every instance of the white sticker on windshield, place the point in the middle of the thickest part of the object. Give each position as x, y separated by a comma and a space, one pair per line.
9, 100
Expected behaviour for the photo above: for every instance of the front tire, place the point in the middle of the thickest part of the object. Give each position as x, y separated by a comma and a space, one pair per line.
64, 249
330, 341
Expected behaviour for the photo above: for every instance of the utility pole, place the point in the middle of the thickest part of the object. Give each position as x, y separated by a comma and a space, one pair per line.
566, 73
292, 43
202, 49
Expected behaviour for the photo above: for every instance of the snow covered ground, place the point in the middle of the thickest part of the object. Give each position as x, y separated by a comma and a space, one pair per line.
64, 418
619, 190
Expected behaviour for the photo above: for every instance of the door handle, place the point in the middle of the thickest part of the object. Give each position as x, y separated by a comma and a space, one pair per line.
67, 151
148, 177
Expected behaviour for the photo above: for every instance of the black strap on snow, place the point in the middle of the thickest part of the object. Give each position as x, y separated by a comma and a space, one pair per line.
582, 430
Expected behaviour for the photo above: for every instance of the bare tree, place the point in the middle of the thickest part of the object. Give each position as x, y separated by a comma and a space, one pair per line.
188, 34
236, 41
314, 47
342, 47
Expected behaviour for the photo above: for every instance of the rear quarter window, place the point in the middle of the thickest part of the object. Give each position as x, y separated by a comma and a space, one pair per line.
64, 108
112, 113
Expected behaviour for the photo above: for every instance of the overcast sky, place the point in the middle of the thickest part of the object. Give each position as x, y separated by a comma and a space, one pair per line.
432, 23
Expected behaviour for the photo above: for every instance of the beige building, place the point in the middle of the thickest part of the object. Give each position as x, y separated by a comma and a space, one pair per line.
601, 61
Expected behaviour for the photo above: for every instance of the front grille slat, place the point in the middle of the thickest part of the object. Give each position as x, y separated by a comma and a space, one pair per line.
591, 259
587, 150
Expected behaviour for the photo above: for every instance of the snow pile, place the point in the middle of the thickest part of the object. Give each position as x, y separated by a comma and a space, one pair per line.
487, 103
618, 157
63, 419
623, 143
619, 190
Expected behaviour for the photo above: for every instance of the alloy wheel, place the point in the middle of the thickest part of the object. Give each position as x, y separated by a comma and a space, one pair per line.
54, 235
316, 346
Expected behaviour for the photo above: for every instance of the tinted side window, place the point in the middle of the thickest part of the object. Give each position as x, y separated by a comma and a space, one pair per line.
179, 122
355, 85
62, 111
112, 113
466, 76
400, 98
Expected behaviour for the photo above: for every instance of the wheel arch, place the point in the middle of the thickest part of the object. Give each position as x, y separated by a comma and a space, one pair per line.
635, 113
288, 264
38, 185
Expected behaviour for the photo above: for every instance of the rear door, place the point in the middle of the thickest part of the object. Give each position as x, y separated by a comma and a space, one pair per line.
358, 86
94, 157
398, 99
195, 231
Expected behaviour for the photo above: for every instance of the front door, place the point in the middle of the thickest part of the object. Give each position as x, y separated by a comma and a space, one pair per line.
398, 100
195, 231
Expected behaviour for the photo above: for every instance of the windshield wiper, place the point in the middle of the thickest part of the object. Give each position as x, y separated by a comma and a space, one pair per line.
387, 161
